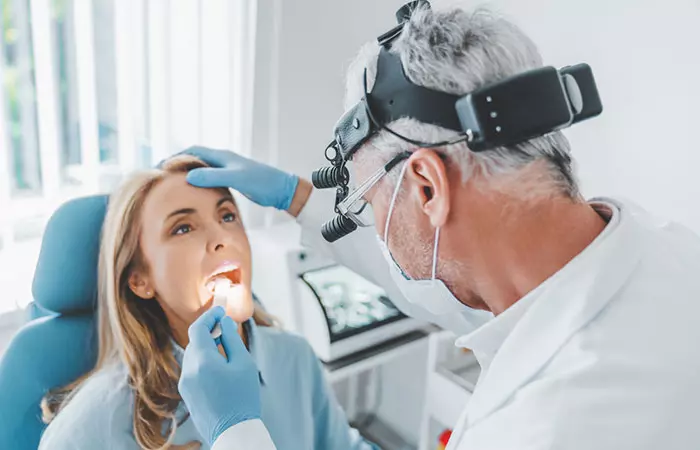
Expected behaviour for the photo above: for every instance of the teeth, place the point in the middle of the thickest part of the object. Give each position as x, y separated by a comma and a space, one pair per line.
224, 269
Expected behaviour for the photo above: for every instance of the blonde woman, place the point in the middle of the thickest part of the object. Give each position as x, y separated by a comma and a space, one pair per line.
164, 243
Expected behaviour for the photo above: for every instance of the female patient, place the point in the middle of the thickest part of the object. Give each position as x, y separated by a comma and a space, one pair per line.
164, 243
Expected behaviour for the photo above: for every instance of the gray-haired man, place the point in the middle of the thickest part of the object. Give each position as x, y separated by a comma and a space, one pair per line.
582, 314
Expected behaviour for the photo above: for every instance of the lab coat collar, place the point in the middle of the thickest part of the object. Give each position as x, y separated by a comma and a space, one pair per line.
486, 340
558, 308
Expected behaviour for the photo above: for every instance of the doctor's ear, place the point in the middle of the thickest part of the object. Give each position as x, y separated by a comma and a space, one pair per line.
428, 173
141, 285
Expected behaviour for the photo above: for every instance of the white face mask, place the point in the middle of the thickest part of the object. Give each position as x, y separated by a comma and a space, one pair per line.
431, 295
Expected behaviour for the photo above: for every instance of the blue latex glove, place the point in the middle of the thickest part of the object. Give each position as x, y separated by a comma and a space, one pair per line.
219, 392
262, 184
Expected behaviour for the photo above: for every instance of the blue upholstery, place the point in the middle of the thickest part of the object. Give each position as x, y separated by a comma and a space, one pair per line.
65, 280
60, 344
35, 311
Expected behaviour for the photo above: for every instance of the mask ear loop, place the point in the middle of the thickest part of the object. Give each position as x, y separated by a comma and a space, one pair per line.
392, 204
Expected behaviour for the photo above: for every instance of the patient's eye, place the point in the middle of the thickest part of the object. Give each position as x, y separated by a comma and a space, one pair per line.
229, 217
182, 229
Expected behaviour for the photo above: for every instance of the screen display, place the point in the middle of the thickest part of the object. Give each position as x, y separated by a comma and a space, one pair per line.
351, 303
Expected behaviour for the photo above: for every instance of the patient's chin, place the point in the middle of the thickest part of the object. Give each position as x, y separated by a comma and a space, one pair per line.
240, 307
241, 316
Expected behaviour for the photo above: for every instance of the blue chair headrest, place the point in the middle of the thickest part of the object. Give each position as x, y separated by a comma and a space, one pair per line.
65, 280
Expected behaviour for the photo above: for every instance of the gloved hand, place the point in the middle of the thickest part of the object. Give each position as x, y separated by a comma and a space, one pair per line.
219, 392
262, 184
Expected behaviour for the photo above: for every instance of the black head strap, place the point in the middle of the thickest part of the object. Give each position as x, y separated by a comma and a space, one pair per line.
403, 15
394, 97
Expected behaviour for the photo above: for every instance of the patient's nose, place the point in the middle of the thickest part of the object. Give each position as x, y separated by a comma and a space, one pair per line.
219, 239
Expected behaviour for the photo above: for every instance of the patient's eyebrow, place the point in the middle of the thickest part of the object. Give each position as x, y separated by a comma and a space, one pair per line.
223, 200
180, 212
185, 211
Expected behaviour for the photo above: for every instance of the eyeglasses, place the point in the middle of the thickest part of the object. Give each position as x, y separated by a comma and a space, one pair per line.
354, 206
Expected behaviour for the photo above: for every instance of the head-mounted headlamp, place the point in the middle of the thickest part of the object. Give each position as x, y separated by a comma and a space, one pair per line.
504, 113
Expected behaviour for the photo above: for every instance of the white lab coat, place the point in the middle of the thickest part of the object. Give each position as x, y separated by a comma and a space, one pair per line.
606, 357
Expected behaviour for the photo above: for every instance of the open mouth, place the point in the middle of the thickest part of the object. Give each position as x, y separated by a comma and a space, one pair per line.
227, 275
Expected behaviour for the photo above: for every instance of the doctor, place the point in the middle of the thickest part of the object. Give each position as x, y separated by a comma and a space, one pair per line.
582, 314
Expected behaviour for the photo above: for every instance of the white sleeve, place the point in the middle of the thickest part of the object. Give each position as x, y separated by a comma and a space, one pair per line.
248, 434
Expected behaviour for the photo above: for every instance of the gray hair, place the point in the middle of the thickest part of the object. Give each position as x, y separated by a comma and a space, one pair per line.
454, 51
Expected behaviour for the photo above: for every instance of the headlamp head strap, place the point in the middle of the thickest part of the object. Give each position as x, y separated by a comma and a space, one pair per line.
394, 97
403, 15
500, 114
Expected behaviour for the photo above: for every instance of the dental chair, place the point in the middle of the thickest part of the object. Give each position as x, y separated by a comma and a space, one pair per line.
60, 343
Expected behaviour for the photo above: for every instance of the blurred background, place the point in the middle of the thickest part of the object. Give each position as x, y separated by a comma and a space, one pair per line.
91, 90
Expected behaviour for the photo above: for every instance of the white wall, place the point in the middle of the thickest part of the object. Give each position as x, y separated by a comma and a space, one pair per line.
645, 55
304, 49
646, 58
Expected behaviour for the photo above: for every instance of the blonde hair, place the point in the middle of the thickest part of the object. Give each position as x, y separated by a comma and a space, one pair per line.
131, 330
